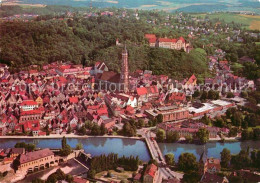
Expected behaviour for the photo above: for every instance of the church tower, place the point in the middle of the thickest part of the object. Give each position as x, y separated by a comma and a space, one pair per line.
124, 70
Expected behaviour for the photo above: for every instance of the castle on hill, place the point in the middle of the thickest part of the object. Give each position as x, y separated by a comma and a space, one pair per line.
176, 44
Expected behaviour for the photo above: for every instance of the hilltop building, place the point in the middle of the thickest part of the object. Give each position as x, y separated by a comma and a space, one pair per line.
175, 44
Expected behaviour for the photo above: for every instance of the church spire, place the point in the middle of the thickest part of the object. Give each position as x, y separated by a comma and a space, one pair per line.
124, 70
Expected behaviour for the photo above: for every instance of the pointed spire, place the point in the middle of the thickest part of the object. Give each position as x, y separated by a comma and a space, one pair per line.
125, 50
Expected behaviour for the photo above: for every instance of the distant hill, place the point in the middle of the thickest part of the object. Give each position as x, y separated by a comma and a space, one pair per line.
249, 6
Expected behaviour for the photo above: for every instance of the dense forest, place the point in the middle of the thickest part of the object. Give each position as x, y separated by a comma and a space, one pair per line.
55, 36
40, 42
112, 162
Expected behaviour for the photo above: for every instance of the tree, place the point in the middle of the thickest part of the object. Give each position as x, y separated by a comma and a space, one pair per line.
109, 174
38, 180
128, 129
63, 142
205, 119
219, 122
103, 129
232, 132
160, 135
69, 130
251, 119
241, 160
255, 157
237, 119
159, 118
79, 146
189, 138
66, 149
191, 177
83, 61
213, 95
196, 94
225, 157
91, 174
58, 176
95, 130
172, 136
256, 134
187, 162
169, 158
28, 147
203, 135
246, 135
82, 130
230, 95
244, 94
140, 123
204, 95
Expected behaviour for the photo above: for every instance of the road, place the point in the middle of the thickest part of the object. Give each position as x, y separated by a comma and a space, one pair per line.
156, 153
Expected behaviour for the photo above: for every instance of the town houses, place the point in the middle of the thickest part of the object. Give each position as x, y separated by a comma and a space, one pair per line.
63, 96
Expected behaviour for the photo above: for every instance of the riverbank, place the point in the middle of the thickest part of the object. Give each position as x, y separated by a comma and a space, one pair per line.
57, 136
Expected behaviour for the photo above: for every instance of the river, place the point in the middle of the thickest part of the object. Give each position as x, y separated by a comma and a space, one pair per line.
103, 145
212, 149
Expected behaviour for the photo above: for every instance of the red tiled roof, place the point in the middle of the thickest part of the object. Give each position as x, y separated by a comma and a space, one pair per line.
150, 36
151, 170
152, 40
167, 40
32, 156
28, 102
192, 78
73, 99
141, 91
182, 39
79, 180
31, 112
33, 71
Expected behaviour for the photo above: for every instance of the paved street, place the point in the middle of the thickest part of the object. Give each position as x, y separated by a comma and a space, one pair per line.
164, 171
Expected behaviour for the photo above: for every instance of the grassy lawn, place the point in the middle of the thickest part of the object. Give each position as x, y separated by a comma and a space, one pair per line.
250, 21
251, 128
201, 50
115, 175
257, 43
237, 66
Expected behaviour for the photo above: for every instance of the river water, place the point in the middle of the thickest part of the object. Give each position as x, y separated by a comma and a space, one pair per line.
103, 145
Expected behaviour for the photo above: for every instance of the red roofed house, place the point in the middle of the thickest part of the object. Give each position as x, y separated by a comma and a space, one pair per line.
74, 100
192, 81
150, 174
177, 97
212, 165
142, 95
99, 67
176, 44
30, 115
151, 39
130, 110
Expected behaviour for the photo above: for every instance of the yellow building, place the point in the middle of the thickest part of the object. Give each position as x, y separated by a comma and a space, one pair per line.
39, 101
36, 160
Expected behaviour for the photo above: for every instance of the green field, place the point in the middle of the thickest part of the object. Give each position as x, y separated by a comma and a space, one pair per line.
250, 128
249, 21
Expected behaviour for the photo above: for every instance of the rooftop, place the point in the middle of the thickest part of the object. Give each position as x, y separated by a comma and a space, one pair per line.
35, 155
